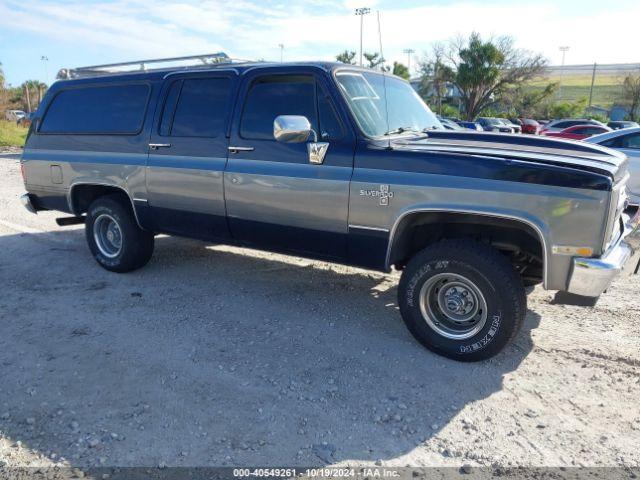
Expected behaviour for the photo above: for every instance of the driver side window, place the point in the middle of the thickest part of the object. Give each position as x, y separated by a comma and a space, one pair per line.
273, 95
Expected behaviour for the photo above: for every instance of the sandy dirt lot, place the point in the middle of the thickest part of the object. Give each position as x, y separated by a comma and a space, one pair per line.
214, 355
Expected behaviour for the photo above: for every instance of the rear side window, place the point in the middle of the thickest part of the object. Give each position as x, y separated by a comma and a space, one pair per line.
196, 107
631, 141
275, 95
114, 109
612, 143
592, 130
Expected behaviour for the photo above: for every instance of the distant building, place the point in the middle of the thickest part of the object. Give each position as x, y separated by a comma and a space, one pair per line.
620, 112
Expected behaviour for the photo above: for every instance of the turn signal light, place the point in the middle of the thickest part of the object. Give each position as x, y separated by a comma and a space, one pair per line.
570, 250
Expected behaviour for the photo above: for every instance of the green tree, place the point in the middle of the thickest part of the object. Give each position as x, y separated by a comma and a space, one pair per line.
435, 77
529, 102
401, 70
631, 95
484, 70
348, 57
568, 109
30, 94
4, 93
449, 111
374, 60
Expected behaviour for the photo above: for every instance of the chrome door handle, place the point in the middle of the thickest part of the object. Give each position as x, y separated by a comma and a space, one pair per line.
240, 149
155, 146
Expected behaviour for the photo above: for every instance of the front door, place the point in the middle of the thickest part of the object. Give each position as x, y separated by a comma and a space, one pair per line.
276, 199
188, 153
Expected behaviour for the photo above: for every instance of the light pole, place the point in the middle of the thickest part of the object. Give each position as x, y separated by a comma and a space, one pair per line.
44, 60
408, 51
564, 51
362, 11
281, 51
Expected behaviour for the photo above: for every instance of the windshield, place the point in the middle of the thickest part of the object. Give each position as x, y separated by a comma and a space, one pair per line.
365, 94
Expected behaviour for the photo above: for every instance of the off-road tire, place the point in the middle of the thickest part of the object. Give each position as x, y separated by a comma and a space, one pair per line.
494, 278
136, 245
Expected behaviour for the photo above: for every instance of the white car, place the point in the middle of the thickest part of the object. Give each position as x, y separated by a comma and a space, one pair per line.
14, 115
626, 140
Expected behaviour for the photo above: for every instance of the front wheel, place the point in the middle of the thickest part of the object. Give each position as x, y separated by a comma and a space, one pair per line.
114, 238
462, 299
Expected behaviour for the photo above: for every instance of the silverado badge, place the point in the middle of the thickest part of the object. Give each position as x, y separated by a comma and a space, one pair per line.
384, 194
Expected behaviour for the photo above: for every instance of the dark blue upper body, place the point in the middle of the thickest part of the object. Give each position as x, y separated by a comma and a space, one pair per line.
240, 77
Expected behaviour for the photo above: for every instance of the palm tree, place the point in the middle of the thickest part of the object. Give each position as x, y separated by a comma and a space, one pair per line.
33, 93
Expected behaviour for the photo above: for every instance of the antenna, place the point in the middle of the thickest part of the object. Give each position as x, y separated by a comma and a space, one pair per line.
380, 40
384, 80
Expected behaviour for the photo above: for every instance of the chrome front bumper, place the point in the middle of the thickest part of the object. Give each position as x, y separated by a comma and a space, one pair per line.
25, 198
590, 277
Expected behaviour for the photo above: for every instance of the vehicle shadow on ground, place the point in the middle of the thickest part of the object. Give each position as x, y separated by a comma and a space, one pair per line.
218, 357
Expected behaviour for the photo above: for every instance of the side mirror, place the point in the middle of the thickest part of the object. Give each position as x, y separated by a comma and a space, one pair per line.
292, 129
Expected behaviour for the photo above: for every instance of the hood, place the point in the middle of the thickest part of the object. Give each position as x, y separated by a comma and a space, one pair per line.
524, 148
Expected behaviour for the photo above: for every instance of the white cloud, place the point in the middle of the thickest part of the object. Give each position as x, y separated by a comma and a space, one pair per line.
317, 29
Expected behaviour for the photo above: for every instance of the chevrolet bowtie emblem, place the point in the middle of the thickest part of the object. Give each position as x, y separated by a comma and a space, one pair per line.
384, 194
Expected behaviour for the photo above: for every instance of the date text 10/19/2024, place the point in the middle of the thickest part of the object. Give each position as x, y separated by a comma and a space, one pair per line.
362, 472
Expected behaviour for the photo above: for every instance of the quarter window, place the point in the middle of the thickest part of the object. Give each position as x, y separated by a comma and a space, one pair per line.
112, 109
330, 126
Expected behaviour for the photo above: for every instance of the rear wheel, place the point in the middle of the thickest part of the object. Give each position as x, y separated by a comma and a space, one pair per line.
114, 238
462, 299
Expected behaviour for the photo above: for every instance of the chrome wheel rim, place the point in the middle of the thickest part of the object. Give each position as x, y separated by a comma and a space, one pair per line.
453, 306
107, 235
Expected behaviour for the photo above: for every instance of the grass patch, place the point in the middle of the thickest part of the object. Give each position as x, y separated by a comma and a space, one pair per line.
607, 88
12, 135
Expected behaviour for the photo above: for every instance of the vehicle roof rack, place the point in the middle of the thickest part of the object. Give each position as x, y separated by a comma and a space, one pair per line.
142, 65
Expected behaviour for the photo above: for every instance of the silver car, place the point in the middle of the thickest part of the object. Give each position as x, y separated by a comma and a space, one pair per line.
559, 125
627, 141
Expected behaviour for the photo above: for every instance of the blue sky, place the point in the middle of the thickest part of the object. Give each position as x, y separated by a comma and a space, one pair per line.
75, 33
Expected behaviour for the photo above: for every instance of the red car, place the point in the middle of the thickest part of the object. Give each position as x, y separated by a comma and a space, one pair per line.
530, 126
578, 132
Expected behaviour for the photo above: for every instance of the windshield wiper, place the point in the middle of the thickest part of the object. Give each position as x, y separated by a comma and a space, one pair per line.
401, 130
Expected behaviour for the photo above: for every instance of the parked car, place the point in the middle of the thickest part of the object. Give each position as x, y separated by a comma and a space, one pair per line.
449, 124
626, 141
515, 127
530, 126
26, 120
578, 132
335, 162
470, 125
559, 125
490, 124
617, 125
14, 115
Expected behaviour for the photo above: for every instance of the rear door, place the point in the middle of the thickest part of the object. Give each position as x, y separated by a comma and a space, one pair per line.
630, 145
188, 153
276, 199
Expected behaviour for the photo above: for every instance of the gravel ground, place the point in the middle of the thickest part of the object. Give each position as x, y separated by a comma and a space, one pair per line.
216, 355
